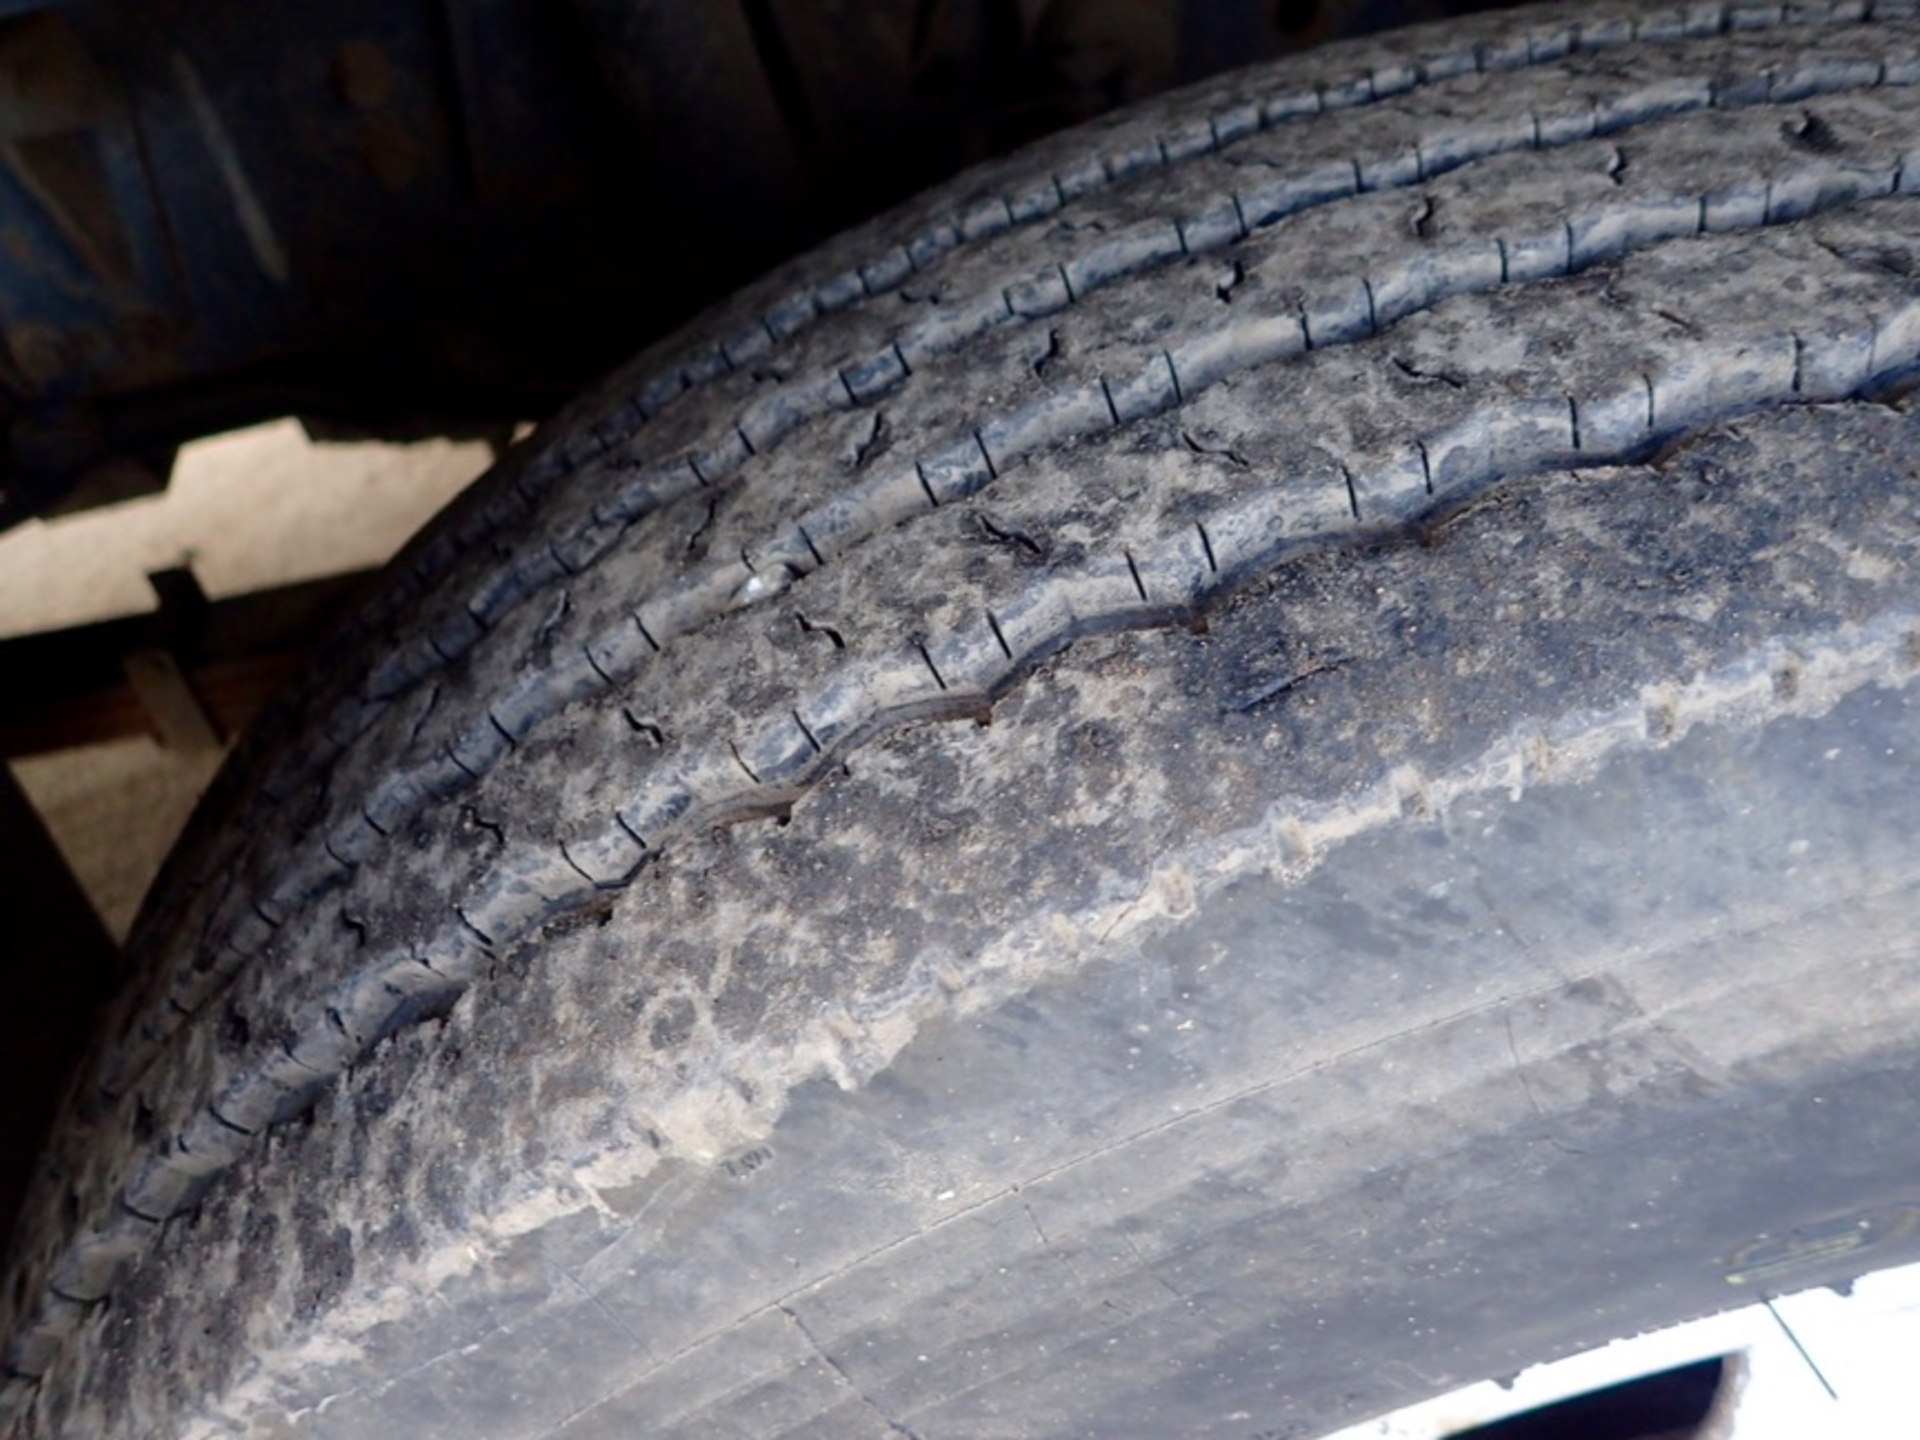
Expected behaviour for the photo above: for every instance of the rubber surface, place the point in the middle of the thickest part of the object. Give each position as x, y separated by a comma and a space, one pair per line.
1525, 805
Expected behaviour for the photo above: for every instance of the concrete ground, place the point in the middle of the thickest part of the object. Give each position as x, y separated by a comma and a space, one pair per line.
248, 510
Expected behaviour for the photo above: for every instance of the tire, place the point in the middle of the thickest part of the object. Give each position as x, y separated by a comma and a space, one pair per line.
1249, 765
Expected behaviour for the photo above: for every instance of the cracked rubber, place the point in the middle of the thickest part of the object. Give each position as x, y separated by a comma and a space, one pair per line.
1245, 766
